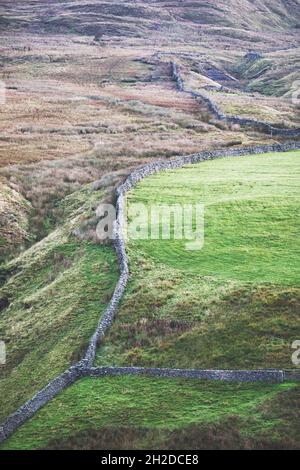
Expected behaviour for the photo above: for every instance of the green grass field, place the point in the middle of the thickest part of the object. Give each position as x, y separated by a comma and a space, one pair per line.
233, 304
251, 217
139, 412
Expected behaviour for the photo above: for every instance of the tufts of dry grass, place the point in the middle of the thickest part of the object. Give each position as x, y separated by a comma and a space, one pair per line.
78, 109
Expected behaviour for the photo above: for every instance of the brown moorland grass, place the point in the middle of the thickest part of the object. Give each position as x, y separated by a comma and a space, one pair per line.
76, 109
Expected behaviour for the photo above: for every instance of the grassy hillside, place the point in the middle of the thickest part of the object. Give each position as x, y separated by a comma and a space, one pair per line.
123, 412
233, 304
273, 74
52, 297
251, 217
89, 94
182, 310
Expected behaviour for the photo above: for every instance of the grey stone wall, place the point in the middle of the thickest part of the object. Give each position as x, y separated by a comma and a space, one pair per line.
217, 113
263, 375
84, 367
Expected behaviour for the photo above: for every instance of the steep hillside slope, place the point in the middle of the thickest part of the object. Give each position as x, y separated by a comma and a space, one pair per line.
138, 17
246, 14
51, 298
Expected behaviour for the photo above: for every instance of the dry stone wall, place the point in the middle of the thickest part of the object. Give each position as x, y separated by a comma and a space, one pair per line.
268, 376
84, 367
217, 113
